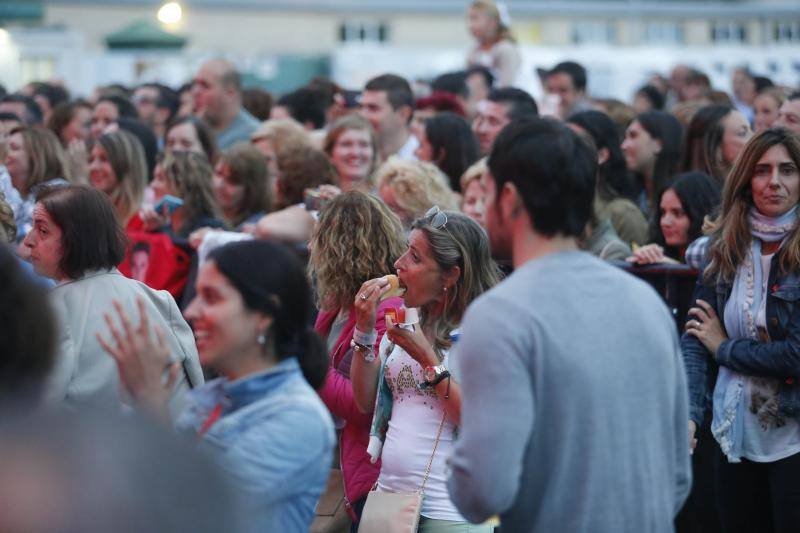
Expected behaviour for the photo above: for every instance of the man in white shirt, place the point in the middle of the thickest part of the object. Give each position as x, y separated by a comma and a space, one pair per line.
387, 102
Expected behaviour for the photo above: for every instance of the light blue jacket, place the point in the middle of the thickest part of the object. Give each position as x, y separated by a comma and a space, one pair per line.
274, 438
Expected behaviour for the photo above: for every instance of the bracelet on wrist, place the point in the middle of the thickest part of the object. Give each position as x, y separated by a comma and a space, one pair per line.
366, 339
366, 350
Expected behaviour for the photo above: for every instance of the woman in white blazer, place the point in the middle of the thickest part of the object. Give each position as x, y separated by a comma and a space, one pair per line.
77, 241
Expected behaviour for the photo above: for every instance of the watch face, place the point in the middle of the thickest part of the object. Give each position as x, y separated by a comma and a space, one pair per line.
430, 373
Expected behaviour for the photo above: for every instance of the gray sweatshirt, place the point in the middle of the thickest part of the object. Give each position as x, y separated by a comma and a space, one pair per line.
574, 414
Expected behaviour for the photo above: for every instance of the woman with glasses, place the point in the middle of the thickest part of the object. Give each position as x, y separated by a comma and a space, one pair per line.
417, 402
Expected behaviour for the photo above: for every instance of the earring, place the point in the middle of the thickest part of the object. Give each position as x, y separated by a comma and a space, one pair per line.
262, 339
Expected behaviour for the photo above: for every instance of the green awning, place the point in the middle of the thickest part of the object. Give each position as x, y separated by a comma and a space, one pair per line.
21, 10
144, 35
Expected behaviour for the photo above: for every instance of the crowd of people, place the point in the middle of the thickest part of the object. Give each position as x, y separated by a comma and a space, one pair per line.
338, 293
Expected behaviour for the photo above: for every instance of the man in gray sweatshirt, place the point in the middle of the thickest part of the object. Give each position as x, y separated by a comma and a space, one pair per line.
574, 399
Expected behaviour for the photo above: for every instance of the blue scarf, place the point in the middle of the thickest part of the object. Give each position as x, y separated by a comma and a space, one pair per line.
740, 323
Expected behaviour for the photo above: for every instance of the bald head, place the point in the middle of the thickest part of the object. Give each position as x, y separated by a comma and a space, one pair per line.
216, 92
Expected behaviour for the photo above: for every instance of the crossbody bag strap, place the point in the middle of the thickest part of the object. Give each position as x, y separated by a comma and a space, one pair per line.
435, 445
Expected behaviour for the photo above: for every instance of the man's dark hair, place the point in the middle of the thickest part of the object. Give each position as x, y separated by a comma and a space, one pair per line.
167, 98
33, 113
305, 105
574, 70
553, 171
794, 96
91, 238
140, 246
124, 106
487, 75
27, 331
653, 95
54, 94
5, 116
258, 102
451, 82
698, 77
520, 104
762, 83
398, 91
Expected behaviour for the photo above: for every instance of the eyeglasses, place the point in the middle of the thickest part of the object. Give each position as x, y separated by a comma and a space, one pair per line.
438, 218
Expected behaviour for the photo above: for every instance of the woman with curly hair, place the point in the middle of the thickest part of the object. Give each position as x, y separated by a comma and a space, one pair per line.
357, 238
188, 176
410, 188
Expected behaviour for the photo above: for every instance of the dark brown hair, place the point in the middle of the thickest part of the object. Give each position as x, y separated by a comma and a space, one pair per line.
301, 168
91, 238
204, 135
248, 168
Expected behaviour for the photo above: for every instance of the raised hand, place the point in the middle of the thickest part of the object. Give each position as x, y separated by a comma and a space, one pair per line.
366, 303
141, 360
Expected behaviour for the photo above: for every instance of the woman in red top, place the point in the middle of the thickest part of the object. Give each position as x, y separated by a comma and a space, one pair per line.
357, 238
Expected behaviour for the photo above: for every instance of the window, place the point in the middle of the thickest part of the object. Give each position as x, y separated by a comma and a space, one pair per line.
36, 68
364, 32
663, 32
728, 32
786, 31
592, 31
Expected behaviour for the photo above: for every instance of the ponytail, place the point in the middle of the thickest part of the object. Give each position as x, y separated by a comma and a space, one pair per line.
310, 351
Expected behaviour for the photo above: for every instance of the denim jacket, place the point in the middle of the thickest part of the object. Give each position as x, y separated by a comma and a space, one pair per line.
779, 358
274, 438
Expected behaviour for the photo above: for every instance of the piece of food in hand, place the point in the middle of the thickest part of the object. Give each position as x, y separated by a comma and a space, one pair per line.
403, 315
394, 287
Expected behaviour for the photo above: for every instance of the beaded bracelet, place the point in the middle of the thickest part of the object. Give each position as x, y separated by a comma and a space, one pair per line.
367, 350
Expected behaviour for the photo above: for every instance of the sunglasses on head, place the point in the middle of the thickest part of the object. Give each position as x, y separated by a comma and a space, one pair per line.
437, 218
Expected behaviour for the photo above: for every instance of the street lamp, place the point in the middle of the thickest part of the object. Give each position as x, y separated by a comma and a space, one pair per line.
170, 13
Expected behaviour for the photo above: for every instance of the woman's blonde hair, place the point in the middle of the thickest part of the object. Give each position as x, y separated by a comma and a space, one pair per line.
417, 186
8, 227
463, 243
473, 172
353, 122
46, 158
126, 156
281, 133
730, 232
357, 238
491, 9
190, 175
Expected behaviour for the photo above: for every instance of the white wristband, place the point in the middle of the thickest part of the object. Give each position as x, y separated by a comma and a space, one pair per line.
366, 339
